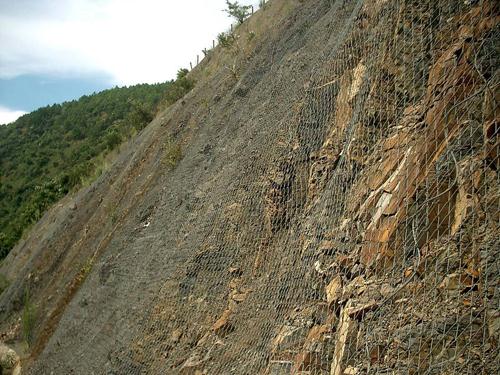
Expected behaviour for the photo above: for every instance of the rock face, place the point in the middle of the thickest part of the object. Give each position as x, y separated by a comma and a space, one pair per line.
335, 210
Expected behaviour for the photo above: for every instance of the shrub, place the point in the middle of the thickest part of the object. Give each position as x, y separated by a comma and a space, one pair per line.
112, 139
237, 11
172, 154
180, 87
251, 36
182, 73
114, 218
139, 117
227, 39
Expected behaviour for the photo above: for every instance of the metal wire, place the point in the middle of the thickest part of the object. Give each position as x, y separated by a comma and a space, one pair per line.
350, 229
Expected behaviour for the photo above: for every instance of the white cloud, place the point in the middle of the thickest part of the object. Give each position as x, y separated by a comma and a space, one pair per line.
8, 115
131, 40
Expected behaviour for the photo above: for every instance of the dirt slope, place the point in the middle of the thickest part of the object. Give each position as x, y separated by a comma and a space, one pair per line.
335, 209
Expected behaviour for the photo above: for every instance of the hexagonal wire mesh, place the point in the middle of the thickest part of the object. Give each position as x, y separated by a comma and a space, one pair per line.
361, 236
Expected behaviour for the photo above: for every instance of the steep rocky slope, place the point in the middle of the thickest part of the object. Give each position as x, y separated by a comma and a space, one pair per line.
325, 201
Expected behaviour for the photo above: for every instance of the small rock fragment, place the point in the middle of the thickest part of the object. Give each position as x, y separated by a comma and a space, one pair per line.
377, 354
334, 290
223, 325
176, 335
359, 311
236, 271
351, 371
239, 297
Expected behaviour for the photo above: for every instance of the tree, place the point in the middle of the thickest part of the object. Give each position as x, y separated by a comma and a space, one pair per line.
56, 149
237, 11
139, 117
113, 139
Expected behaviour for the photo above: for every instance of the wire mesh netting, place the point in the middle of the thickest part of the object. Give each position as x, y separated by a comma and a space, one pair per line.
357, 232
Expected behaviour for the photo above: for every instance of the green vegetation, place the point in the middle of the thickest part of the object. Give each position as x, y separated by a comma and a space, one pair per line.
113, 215
4, 283
54, 150
172, 154
226, 39
251, 36
28, 318
237, 11
87, 267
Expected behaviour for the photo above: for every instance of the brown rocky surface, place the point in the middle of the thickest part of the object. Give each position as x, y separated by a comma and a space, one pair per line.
335, 210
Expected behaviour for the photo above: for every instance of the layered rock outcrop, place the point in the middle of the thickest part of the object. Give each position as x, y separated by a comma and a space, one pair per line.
335, 209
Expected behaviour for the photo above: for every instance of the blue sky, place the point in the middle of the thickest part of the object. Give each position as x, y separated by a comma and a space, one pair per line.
58, 50
30, 91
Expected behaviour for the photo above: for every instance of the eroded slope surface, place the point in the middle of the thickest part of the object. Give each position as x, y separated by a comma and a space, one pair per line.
335, 209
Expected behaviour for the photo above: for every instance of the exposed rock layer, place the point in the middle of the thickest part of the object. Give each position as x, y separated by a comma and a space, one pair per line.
335, 210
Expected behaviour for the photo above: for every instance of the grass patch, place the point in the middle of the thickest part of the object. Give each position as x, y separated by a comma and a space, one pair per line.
4, 283
87, 267
28, 319
172, 154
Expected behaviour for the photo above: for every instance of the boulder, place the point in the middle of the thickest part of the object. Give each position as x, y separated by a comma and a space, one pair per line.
10, 363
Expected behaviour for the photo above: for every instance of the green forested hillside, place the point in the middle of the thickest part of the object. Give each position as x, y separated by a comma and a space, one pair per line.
53, 150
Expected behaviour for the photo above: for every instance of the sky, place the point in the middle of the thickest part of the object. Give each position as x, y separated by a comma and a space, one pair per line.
57, 50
